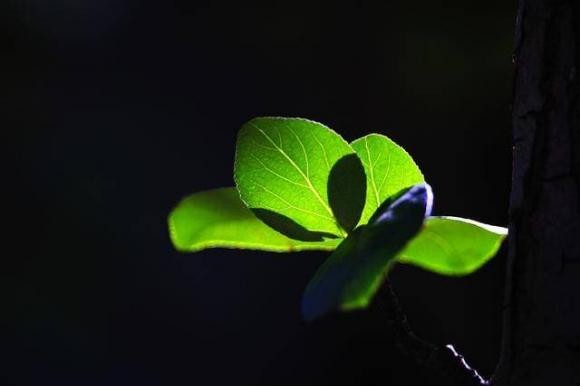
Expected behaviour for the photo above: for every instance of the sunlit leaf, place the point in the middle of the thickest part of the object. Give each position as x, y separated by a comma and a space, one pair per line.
218, 218
291, 170
388, 167
453, 246
349, 278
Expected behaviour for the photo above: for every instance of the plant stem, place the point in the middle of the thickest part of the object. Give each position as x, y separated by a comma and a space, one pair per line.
443, 359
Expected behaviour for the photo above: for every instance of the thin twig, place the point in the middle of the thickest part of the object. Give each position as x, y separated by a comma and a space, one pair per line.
443, 359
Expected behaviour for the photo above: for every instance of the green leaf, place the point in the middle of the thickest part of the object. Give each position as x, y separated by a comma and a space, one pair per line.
349, 278
453, 246
218, 218
388, 167
296, 171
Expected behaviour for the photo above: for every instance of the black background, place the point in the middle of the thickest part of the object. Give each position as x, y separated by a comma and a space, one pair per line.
115, 109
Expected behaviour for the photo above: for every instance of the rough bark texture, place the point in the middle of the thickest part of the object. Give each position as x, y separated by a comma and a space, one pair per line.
541, 344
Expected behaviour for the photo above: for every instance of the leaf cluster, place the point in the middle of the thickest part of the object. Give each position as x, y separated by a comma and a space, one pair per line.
300, 186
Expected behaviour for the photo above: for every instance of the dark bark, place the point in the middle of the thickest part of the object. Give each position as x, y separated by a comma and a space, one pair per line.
541, 344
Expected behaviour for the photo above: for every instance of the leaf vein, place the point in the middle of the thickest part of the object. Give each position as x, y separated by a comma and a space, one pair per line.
293, 206
277, 174
303, 150
306, 179
386, 172
372, 170
439, 240
264, 146
323, 151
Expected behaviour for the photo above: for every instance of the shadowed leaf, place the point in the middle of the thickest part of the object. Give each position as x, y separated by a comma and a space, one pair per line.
219, 219
453, 246
283, 165
388, 167
349, 278
347, 190
291, 229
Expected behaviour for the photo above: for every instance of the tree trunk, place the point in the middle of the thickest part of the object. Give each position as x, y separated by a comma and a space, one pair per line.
541, 343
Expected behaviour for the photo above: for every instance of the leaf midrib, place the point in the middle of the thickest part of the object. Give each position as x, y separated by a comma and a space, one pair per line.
306, 178
372, 172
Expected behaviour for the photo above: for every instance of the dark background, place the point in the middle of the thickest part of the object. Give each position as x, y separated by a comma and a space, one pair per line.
115, 109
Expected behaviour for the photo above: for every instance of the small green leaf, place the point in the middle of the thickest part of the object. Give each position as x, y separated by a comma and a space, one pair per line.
388, 167
292, 170
453, 246
349, 278
218, 218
